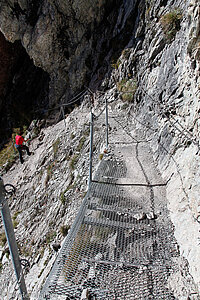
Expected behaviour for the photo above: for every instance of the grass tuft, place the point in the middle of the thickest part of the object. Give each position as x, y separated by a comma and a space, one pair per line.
73, 161
127, 87
64, 229
81, 143
171, 23
56, 147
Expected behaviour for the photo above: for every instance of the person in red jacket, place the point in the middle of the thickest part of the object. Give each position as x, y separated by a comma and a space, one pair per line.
19, 146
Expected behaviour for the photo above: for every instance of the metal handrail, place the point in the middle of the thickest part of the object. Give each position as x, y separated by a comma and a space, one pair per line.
12, 244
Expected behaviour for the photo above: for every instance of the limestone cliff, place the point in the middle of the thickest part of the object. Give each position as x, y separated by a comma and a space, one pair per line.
150, 48
74, 41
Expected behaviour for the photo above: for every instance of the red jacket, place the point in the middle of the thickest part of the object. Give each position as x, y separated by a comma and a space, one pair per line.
19, 139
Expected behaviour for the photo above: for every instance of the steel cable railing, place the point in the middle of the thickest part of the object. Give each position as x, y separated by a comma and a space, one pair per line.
52, 284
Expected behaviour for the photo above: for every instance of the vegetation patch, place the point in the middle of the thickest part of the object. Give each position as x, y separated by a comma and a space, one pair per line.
63, 198
125, 105
81, 143
73, 161
126, 53
171, 23
25, 251
115, 64
127, 88
86, 132
3, 239
64, 229
15, 223
8, 155
16, 214
56, 147
50, 236
100, 156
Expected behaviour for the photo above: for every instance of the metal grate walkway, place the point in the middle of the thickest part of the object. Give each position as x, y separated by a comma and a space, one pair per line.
121, 245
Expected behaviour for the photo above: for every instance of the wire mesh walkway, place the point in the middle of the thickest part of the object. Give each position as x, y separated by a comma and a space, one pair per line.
121, 245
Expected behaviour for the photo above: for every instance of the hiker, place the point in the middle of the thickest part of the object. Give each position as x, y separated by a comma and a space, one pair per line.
19, 146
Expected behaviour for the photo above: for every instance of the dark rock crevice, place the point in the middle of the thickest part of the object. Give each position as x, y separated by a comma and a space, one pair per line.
23, 90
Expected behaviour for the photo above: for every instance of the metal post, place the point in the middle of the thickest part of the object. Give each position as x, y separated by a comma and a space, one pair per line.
63, 113
106, 124
91, 147
8, 226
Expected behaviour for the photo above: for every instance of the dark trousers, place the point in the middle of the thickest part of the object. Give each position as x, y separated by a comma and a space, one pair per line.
20, 149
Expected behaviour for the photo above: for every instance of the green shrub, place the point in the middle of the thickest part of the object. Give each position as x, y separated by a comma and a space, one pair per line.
171, 23
50, 236
8, 155
15, 223
115, 64
16, 214
64, 230
62, 198
126, 53
127, 87
100, 156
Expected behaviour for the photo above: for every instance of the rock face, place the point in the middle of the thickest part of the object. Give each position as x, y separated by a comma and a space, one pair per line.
73, 41
23, 87
128, 46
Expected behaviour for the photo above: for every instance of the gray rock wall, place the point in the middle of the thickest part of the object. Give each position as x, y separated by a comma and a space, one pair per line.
166, 109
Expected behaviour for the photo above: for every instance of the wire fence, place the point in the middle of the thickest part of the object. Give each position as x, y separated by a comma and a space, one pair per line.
108, 248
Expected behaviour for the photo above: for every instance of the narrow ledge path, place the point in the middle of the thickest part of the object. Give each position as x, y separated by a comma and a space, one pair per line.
122, 244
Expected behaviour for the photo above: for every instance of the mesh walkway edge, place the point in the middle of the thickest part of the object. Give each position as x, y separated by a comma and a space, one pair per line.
110, 250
